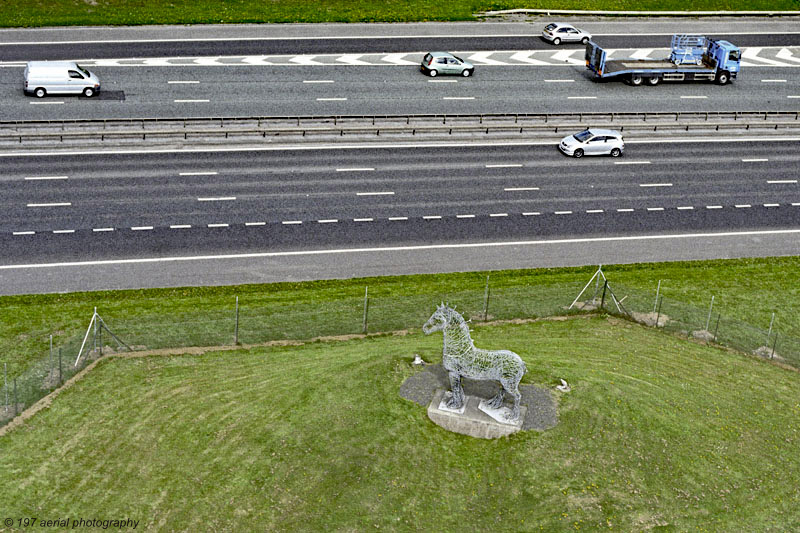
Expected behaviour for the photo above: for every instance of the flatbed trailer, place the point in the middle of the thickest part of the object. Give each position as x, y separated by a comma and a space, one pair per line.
692, 58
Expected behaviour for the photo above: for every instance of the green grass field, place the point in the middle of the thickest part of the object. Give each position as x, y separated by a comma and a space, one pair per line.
127, 12
744, 289
657, 434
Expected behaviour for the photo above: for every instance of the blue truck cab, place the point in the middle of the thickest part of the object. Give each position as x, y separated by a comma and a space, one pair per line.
692, 57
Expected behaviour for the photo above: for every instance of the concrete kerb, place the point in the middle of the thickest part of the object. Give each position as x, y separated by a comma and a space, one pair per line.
580, 12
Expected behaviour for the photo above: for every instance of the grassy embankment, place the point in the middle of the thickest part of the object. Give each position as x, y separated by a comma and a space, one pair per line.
657, 433
126, 12
747, 289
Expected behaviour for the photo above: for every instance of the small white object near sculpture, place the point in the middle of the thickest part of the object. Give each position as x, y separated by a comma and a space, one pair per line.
461, 358
564, 387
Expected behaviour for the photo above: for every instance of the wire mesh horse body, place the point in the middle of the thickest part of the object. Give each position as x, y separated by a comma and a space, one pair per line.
461, 358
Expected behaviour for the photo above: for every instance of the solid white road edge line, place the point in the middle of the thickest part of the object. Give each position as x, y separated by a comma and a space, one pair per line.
407, 248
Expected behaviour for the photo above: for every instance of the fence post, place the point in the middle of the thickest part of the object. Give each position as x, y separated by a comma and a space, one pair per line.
236, 326
770, 329
94, 319
658, 313
51, 356
59, 367
486, 300
708, 320
603, 299
15, 397
5, 383
658, 291
366, 307
774, 343
719, 315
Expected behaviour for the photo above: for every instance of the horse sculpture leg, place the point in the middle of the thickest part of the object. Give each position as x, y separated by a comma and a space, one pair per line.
513, 389
497, 401
457, 399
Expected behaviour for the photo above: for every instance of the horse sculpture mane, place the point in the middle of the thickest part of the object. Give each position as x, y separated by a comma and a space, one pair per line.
461, 358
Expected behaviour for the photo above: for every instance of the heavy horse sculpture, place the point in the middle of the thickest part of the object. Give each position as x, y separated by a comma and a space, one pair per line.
461, 358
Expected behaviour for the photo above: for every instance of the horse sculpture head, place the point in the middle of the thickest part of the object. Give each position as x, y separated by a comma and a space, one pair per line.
438, 320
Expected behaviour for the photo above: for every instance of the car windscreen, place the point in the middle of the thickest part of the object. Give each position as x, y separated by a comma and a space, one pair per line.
88, 74
582, 136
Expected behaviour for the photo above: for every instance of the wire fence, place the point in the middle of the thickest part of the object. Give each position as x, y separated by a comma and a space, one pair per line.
241, 322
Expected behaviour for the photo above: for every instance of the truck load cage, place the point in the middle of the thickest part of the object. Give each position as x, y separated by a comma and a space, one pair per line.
688, 49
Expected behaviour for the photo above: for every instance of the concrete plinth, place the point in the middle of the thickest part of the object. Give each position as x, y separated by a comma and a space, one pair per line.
471, 419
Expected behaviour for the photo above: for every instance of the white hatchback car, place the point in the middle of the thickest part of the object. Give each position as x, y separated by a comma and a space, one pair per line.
593, 142
558, 32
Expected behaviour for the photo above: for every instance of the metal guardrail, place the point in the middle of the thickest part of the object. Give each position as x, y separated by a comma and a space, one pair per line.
376, 125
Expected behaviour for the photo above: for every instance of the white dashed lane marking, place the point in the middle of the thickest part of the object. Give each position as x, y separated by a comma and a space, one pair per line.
328, 221
713, 207
191, 101
742, 206
217, 199
498, 214
515, 189
694, 97
465, 216
627, 210
54, 204
318, 81
378, 193
362, 220
776, 182
364, 169
141, 228
23, 233
34, 178
331, 99
594, 211
531, 214
655, 185
397, 218
631, 162
292, 222
458, 98
563, 212
754, 160
505, 165
685, 208
217, 225
45, 103
431, 217
180, 226
772, 205
182, 82
201, 173
64, 231
255, 223
102, 230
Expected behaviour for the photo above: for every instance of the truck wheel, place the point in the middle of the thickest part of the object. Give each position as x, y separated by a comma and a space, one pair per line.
40, 92
636, 80
723, 77
653, 81
577, 153
556, 41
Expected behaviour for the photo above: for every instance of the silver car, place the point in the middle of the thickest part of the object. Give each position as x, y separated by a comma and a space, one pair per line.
558, 32
593, 142
435, 63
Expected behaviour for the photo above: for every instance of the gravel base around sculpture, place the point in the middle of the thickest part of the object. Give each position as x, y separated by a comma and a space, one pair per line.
541, 413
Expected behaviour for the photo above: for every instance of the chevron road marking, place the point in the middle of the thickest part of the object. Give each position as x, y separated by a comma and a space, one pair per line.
482, 58
397, 59
786, 55
352, 59
525, 57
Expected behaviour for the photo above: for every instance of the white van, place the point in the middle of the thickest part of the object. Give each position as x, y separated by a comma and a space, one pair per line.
59, 77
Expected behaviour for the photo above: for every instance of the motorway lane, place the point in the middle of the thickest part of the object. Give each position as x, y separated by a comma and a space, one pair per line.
125, 206
309, 90
529, 40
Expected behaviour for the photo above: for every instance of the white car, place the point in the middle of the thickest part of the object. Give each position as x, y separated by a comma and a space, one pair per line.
593, 142
558, 32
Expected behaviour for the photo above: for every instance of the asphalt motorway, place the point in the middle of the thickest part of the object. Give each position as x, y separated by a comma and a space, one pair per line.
81, 43
239, 216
